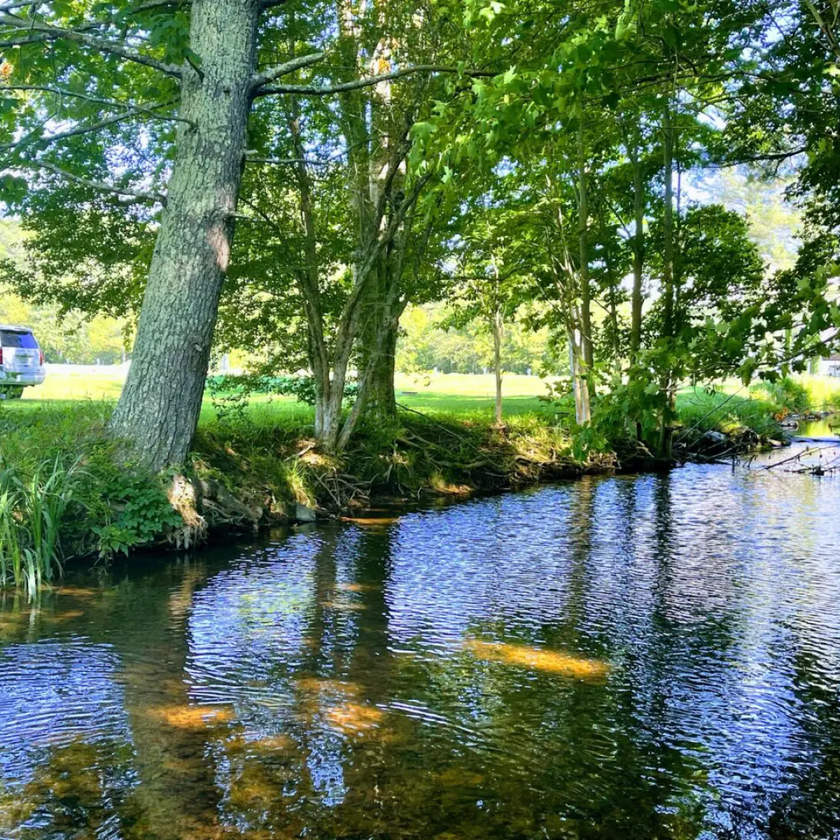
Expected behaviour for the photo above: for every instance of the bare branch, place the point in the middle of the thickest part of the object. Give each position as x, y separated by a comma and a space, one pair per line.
370, 81
101, 186
151, 5
21, 4
286, 161
85, 129
112, 103
285, 69
32, 29
761, 158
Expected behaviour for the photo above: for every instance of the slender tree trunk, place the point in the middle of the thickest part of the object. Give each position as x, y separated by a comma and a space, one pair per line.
668, 224
665, 431
498, 330
325, 422
158, 410
638, 253
585, 290
583, 412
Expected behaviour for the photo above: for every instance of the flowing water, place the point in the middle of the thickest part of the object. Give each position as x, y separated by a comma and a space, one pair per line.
618, 657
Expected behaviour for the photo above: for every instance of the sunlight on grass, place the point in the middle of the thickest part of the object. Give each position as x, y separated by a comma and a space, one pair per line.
538, 659
82, 385
464, 394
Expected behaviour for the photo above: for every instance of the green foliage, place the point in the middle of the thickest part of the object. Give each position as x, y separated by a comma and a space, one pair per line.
114, 504
428, 341
541, 165
140, 513
231, 393
787, 394
701, 410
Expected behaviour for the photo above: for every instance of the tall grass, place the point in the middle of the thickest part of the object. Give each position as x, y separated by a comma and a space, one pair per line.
31, 512
701, 411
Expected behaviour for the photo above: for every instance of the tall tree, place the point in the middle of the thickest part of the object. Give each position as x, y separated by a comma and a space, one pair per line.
202, 73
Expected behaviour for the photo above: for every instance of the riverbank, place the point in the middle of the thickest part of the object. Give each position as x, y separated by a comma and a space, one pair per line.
260, 467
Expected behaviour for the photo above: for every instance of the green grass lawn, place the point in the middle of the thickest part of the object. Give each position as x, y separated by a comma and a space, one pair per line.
463, 395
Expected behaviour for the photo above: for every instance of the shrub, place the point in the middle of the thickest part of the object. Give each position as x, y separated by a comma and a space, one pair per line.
115, 504
787, 394
301, 387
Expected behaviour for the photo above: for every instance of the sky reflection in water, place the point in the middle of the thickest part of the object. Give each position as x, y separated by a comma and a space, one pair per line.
617, 657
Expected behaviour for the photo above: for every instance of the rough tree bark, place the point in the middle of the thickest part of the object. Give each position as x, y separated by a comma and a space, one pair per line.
380, 397
159, 407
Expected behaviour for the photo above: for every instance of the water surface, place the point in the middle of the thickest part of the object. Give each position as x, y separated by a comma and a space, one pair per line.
621, 657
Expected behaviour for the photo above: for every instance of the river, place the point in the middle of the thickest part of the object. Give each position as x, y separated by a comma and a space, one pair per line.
615, 657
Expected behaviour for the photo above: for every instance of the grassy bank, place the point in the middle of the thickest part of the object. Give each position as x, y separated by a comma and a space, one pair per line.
254, 467
760, 408
64, 492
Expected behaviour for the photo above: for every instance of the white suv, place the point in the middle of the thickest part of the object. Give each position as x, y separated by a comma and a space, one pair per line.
21, 361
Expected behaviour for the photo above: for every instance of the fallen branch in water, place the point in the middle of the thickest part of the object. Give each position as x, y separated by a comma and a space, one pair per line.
799, 456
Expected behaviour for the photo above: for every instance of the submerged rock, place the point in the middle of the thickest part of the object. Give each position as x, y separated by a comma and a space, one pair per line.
305, 514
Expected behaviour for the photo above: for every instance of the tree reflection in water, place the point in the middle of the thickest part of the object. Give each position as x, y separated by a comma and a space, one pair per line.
633, 657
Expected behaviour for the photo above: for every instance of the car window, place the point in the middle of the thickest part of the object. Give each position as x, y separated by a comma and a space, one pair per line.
13, 338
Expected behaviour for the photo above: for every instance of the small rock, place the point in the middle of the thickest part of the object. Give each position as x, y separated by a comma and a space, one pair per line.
718, 437
305, 514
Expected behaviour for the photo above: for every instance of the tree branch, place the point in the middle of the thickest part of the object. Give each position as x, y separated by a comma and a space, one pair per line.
286, 161
112, 103
29, 28
763, 158
83, 129
370, 81
285, 69
101, 186
151, 5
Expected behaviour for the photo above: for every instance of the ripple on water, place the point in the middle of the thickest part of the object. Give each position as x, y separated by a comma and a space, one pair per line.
625, 656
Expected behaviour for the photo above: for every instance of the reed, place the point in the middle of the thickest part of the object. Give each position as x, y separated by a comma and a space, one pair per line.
31, 512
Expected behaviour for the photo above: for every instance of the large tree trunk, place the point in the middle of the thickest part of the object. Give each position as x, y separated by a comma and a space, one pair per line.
381, 398
158, 411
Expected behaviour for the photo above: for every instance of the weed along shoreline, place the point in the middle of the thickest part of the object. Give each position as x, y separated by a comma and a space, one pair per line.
70, 494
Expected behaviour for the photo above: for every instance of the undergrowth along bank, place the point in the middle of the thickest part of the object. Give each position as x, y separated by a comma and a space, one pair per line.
242, 473
65, 491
